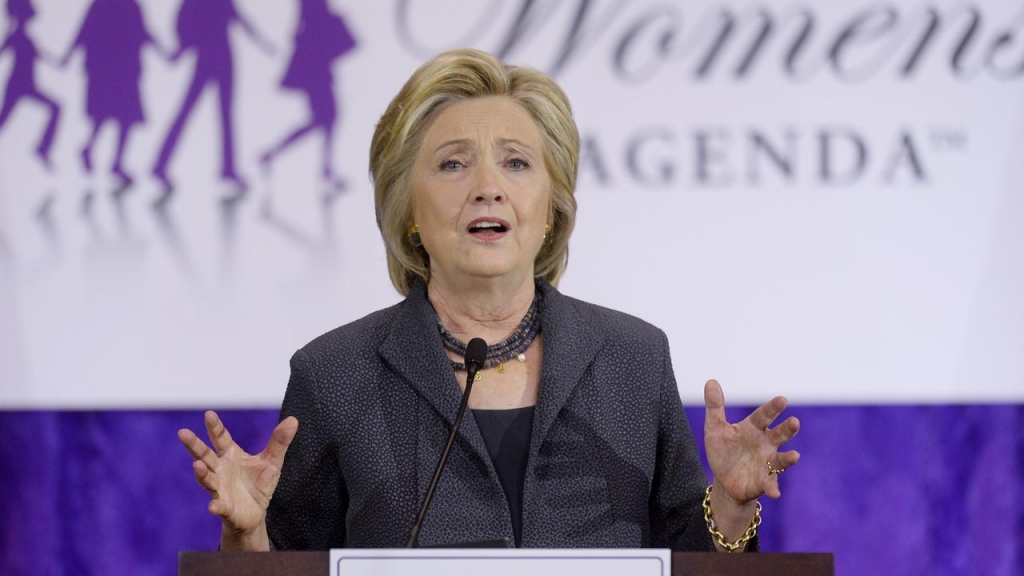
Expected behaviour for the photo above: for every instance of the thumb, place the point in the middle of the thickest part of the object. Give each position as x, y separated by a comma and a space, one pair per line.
714, 403
282, 437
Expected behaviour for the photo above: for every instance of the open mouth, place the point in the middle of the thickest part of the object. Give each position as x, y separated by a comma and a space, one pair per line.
488, 227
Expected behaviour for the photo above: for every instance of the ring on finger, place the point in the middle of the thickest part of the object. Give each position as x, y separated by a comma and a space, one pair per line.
774, 470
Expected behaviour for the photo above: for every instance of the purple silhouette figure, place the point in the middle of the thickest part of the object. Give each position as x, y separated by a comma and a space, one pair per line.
321, 38
112, 36
203, 27
22, 82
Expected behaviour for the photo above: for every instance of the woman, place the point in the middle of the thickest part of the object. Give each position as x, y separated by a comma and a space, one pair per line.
321, 38
112, 36
578, 436
22, 81
203, 26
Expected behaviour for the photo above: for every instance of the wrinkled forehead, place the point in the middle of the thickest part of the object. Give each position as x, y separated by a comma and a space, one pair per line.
482, 122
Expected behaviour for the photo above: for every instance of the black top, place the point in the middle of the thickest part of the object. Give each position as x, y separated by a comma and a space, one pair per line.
507, 436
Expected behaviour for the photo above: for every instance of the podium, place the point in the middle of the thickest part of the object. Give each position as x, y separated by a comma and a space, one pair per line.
683, 564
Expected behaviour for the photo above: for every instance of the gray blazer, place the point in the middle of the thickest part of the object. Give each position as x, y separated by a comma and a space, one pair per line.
612, 461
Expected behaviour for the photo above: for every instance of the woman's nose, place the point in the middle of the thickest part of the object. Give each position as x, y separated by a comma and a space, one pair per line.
489, 188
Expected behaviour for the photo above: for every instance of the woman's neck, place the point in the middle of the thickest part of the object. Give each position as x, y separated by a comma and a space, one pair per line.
481, 308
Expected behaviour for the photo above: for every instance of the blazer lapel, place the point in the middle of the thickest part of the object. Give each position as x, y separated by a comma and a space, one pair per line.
571, 342
414, 352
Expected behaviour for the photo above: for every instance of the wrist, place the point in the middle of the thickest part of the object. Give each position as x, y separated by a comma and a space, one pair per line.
727, 506
732, 524
252, 540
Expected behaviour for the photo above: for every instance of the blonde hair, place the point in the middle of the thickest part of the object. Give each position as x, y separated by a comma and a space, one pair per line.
461, 75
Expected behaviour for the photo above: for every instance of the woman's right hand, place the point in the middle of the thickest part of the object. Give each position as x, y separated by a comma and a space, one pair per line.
240, 484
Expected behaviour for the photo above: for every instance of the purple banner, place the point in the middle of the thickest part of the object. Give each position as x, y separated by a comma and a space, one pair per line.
889, 490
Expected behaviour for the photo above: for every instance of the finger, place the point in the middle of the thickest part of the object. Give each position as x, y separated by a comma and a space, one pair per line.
780, 461
784, 460
714, 403
282, 437
766, 413
784, 432
217, 507
219, 435
771, 487
206, 478
197, 448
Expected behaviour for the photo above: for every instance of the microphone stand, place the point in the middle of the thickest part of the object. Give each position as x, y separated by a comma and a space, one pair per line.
476, 353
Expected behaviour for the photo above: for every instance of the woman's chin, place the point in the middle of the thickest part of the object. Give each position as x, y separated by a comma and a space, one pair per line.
481, 270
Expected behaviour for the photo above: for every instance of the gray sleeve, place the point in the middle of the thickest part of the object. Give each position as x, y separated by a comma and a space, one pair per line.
307, 511
677, 517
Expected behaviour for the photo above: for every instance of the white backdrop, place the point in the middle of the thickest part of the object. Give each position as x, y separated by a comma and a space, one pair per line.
822, 200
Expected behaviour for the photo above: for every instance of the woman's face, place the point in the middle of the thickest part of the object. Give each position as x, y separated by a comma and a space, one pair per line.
481, 191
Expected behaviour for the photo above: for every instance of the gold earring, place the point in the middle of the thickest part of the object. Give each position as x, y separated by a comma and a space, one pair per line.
414, 236
547, 230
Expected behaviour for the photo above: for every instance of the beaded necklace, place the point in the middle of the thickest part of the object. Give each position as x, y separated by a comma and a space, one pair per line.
512, 347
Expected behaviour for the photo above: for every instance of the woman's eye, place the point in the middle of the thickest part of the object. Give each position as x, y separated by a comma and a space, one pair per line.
451, 165
518, 164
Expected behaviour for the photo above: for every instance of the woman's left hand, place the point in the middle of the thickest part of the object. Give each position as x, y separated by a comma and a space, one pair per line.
743, 456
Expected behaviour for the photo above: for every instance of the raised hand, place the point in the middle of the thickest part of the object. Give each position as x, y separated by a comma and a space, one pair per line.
240, 484
740, 454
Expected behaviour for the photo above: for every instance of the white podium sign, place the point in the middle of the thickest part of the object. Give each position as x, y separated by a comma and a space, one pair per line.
501, 562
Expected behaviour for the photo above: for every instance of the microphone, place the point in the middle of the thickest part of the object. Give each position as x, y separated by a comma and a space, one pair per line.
476, 353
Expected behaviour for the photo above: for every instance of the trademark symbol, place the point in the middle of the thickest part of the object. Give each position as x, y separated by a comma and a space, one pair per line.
948, 140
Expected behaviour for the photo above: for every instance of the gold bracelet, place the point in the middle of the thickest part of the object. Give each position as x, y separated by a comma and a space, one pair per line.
717, 534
